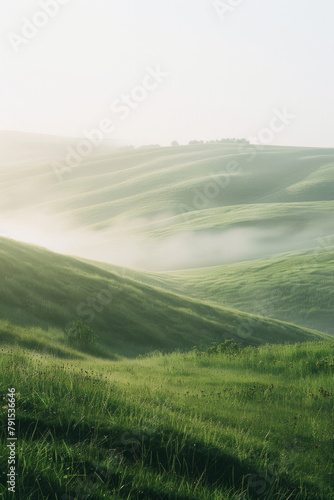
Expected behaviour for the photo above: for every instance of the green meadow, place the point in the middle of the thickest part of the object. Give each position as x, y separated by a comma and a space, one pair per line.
243, 423
207, 273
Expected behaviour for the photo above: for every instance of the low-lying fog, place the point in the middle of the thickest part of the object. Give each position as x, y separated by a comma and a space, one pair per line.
30, 212
130, 248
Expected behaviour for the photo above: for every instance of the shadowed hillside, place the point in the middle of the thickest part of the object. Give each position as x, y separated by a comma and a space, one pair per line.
41, 289
296, 287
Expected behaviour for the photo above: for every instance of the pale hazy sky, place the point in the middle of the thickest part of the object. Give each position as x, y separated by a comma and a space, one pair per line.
226, 74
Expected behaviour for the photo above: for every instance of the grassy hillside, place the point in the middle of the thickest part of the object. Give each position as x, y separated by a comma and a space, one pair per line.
241, 421
163, 200
163, 182
256, 424
296, 287
47, 290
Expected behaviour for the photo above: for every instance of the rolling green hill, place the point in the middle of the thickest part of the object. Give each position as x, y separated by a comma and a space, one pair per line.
41, 289
296, 287
186, 206
240, 421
